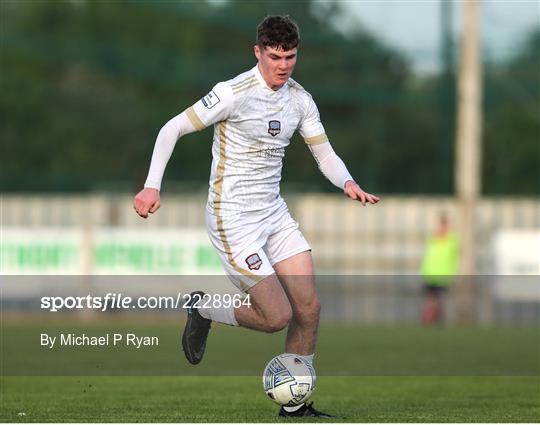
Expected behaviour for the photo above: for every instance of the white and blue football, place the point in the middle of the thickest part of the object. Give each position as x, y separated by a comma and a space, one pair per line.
289, 380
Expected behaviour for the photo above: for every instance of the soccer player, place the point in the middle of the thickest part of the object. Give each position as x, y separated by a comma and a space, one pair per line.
260, 245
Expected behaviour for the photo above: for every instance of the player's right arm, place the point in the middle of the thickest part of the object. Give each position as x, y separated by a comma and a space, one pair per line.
213, 107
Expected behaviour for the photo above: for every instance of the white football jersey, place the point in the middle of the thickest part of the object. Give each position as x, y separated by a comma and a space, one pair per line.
253, 125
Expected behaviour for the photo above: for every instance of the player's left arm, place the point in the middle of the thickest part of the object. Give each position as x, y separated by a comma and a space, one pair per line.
328, 161
334, 169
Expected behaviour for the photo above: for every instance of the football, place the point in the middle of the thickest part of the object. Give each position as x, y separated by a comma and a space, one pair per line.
289, 380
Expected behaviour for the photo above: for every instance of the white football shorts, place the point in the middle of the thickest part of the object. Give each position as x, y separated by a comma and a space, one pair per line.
250, 244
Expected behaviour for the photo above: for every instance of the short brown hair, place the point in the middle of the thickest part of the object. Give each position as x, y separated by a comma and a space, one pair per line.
278, 32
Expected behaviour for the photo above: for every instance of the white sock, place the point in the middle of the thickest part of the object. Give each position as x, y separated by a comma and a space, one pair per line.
220, 314
308, 358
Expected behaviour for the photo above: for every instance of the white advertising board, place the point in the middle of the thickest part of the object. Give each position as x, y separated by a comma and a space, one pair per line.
517, 253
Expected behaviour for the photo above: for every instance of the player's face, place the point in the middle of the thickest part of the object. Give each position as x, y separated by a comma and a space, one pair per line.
276, 65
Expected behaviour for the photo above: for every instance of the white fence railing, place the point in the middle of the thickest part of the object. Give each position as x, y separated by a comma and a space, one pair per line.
388, 238
101, 234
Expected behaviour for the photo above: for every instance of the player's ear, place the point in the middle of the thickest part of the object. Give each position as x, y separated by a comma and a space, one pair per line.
257, 51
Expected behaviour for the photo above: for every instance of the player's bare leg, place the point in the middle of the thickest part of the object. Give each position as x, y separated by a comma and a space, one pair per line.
296, 276
270, 310
432, 312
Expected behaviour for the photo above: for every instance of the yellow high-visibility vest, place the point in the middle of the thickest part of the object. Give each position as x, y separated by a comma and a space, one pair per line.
441, 259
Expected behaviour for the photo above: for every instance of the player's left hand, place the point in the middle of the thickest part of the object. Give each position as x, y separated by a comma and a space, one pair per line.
353, 191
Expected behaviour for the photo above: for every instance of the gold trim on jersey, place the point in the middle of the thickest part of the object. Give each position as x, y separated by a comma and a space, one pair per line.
317, 140
218, 188
253, 84
194, 118
244, 82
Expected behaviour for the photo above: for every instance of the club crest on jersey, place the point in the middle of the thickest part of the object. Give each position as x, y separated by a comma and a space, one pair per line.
254, 262
274, 127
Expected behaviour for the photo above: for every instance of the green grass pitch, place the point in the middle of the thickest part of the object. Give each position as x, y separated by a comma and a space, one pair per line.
388, 374
241, 399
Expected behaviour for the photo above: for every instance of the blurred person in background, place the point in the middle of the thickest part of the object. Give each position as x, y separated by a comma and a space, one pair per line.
439, 268
260, 245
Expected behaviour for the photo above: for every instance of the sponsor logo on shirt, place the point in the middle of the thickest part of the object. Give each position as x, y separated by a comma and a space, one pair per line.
210, 100
274, 127
262, 150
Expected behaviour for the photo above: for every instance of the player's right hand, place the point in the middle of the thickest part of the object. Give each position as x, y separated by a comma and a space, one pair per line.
146, 201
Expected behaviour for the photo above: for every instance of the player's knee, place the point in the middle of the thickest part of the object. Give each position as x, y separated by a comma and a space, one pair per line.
279, 321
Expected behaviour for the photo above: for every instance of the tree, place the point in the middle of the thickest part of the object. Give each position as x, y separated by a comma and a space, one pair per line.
511, 163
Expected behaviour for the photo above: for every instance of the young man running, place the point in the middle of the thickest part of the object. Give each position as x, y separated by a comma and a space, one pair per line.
260, 245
